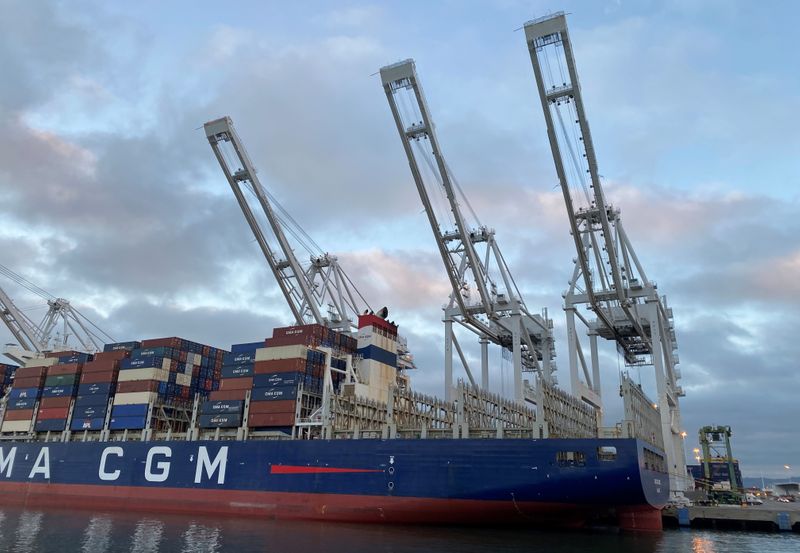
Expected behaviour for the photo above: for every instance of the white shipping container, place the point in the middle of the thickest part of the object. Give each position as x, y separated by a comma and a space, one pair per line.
129, 398
16, 426
183, 379
42, 362
129, 375
281, 352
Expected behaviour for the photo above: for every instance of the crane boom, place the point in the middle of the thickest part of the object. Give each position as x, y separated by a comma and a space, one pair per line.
21, 327
497, 312
608, 279
308, 292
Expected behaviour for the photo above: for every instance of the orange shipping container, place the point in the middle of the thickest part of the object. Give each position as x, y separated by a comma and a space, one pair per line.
279, 366
115, 355
19, 415
30, 372
101, 365
108, 375
282, 406
67, 368
138, 386
31, 382
219, 395
53, 413
50, 402
245, 383
271, 419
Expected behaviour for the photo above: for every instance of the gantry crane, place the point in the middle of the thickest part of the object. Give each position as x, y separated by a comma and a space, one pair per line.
484, 299
321, 293
61, 325
608, 278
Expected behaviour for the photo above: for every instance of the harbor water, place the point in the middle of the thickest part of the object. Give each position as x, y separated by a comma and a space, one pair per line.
95, 532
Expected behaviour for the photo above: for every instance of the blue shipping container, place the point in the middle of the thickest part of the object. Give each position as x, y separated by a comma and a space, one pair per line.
121, 423
122, 345
142, 363
96, 399
133, 410
76, 358
222, 406
235, 371
89, 411
25, 403
103, 388
271, 380
272, 394
59, 391
87, 424
225, 420
24, 393
239, 358
50, 424
250, 347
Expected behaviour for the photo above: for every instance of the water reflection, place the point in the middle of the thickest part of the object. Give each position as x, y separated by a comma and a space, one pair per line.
201, 539
28, 527
147, 536
97, 536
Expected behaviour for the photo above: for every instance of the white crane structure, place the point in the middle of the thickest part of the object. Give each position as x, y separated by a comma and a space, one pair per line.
485, 299
321, 292
608, 279
61, 326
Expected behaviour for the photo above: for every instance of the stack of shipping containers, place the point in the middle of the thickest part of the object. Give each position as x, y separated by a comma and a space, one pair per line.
97, 386
24, 395
59, 391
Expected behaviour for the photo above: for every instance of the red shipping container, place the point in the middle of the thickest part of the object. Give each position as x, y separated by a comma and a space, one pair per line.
270, 419
30, 372
19, 415
312, 329
282, 406
53, 413
137, 386
280, 366
96, 377
55, 402
162, 342
67, 368
245, 383
115, 355
102, 365
32, 382
67, 353
218, 395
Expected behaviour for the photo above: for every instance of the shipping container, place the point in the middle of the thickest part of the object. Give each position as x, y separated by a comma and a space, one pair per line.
52, 425
99, 388
68, 368
143, 374
59, 391
145, 363
280, 406
19, 415
122, 346
218, 395
89, 411
106, 356
40, 362
62, 380
280, 366
62, 353
30, 372
236, 383
33, 382
236, 371
96, 399
270, 419
100, 365
99, 377
221, 406
172, 342
272, 394
134, 397
17, 404
225, 420
16, 426
24, 393
130, 423
52, 413
130, 410
138, 386
55, 402
87, 424
75, 358
247, 348
238, 358
282, 352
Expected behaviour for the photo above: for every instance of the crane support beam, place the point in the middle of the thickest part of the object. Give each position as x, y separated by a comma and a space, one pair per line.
484, 297
608, 279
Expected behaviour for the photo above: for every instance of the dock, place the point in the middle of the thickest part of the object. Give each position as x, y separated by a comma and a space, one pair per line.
770, 517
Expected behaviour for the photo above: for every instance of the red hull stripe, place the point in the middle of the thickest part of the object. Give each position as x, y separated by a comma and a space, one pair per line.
296, 469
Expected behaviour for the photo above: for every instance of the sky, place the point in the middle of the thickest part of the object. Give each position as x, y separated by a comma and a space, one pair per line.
111, 197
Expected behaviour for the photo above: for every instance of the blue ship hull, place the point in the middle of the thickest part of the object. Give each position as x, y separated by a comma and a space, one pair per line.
548, 481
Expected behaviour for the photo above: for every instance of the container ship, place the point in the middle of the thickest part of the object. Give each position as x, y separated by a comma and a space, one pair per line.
311, 424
